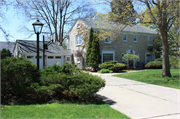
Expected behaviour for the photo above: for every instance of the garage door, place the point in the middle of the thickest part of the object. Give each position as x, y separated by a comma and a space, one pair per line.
51, 60
33, 59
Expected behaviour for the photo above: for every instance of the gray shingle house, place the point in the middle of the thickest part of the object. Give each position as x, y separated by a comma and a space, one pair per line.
54, 54
135, 39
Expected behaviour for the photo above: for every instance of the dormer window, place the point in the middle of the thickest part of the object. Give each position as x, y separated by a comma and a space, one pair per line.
108, 40
78, 40
78, 25
125, 37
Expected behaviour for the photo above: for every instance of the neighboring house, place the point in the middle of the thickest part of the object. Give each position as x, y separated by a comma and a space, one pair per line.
134, 39
7, 45
54, 54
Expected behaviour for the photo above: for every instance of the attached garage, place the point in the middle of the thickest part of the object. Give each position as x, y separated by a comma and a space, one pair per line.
54, 54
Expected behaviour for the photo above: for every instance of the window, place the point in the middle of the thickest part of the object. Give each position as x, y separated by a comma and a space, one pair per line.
135, 38
107, 57
124, 37
78, 59
150, 41
68, 59
50, 57
30, 57
58, 57
78, 25
78, 39
108, 40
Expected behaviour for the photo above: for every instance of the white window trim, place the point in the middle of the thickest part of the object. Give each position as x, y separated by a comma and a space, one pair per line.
110, 51
136, 38
69, 57
78, 40
123, 37
109, 41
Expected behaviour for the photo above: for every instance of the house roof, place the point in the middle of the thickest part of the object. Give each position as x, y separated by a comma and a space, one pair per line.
7, 45
98, 25
29, 46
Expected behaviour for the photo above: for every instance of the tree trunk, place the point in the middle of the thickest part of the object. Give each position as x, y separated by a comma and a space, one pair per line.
165, 54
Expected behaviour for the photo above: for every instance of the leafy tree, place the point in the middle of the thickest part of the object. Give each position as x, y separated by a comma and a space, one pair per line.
130, 58
5, 53
89, 47
118, 8
162, 14
95, 57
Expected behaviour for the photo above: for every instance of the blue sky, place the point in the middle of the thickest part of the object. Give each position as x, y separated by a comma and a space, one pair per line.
14, 22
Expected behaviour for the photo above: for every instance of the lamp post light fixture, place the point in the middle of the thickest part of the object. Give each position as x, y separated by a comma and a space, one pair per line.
37, 29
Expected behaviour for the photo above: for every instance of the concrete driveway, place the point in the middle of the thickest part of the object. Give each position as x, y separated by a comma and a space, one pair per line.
140, 100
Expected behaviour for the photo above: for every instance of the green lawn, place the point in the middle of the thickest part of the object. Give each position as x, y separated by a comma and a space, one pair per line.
153, 76
57, 110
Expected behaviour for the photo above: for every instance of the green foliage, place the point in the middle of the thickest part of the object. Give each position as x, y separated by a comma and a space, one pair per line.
5, 53
122, 11
174, 62
95, 57
154, 64
113, 65
17, 75
130, 58
158, 59
67, 81
89, 47
105, 71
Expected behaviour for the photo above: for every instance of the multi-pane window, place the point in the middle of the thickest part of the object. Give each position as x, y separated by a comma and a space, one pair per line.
135, 38
108, 39
107, 57
124, 37
78, 59
78, 39
149, 41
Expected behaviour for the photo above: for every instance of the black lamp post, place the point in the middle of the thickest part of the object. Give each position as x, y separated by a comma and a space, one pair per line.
37, 29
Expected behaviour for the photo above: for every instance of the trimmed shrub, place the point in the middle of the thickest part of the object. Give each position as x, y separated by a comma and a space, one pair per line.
113, 65
105, 71
154, 65
67, 81
158, 59
17, 75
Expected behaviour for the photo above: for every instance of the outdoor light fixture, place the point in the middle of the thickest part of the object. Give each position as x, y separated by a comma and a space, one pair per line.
37, 29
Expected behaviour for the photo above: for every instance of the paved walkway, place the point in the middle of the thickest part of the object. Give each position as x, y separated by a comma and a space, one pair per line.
140, 100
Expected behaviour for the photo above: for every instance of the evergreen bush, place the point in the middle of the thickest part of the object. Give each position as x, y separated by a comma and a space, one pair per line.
113, 65
154, 65
105, 71
67, 81
17, 75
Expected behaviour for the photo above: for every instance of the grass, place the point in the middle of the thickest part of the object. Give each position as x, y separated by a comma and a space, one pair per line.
153, 76
57, 110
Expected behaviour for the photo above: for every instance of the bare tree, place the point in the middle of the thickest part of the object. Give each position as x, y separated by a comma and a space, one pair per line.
56, 14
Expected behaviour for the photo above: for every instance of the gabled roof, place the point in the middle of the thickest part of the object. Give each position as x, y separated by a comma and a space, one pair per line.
98, 25
7, 45
28, 46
